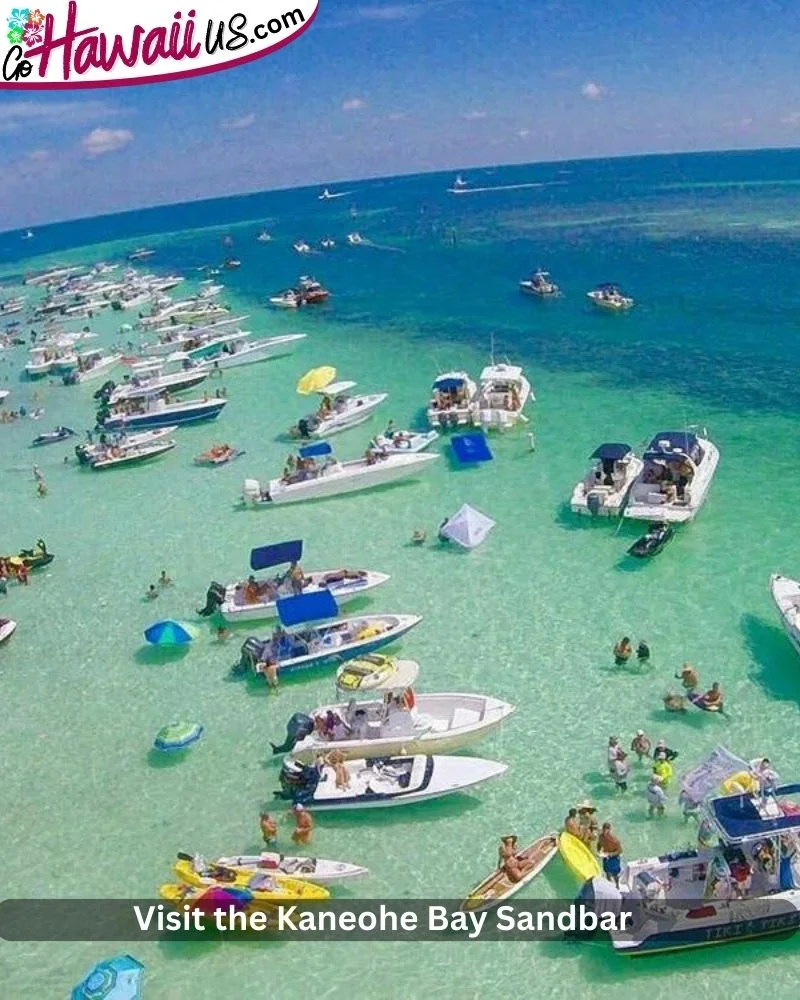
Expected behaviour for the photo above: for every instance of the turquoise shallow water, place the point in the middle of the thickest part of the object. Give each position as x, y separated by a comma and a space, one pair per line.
530, 616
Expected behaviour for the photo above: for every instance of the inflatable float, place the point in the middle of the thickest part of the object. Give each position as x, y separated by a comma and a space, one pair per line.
578, 858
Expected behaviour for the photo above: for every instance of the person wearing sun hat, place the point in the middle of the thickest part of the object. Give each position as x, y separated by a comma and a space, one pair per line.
303, 824
641, 745
587, 820
656, 799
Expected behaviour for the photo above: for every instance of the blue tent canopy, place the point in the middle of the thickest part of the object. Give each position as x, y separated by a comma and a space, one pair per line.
313, 450
471, 448
743, 817
448, 384
307, 608
612, 451
275, 555
672, 444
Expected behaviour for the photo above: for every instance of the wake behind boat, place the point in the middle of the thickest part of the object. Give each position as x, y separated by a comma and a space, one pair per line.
383, 782
786, 595
308, 479
675, 478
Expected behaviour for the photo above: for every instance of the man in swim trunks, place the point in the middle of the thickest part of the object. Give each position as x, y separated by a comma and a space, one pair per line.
610, 850
303, 824
688, 677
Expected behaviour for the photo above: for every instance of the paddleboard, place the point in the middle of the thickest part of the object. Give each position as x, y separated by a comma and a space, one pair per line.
497, 887
578, 858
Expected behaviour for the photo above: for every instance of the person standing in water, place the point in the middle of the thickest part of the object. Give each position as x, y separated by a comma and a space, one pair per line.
303, 824
656, 799
641, 745
269, 829
621, 771
643, 652
623, 651
688, 677
613, 752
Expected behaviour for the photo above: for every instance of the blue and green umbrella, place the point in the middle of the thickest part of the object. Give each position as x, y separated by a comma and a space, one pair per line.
117, 978
178, 736
169, 633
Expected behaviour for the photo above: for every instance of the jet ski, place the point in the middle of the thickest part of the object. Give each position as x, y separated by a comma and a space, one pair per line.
32, 558
653, 542
53, 437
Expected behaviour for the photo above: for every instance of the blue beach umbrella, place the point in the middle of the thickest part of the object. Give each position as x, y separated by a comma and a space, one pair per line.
169, 633
178, 736
117, 978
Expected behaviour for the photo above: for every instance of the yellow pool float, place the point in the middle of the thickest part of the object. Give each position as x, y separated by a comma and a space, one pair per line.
741, 783
578, 857
264, 886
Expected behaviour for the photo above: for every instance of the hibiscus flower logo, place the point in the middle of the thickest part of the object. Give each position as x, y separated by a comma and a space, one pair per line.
32, 34
36, 18
17, 19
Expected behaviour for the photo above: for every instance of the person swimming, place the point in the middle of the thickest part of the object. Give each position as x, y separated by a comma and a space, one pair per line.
623, 651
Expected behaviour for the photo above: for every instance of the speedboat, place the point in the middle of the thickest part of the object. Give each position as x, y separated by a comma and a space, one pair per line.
301, 247
459, 185
106, 441
91, 365
11, 306
786, 595
53, 437
317, 870
142, 253
675, 478
355, 239
502, 394
321, 644
41, 361
114, 455
263, 237
540, 285
311, 290
452, 396
338, 411
7, 629
287, 300
4, 394
175, 335
251, 601
605, 488
314, 481
328, 195
405, 442
327, 243
154, 411
391, 781
53, 276
149, 380
652, 542
27, 235
425, 723
746, 885
608, 296
235, 352
231, 263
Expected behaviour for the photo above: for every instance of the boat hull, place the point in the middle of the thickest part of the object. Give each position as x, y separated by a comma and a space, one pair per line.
609, 502
784, 593
678, 514
352, 417
163, 419
134, 457
263, 350
319, 870
233, 611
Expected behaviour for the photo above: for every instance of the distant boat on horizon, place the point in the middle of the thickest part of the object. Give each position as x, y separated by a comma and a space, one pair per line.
28, 234
328, 195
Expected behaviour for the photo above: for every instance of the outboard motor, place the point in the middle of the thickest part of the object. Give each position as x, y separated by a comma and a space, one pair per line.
298, 782
297, 728
250, 655
304, 427
594, 502
251, 491
600, 897
71, 378
105, 390
81, 454
215, 595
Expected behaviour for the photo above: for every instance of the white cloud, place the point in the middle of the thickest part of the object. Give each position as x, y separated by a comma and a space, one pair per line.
354, 104
792, 119
106, 140
16, 114
473, 116
592, 91
244, 122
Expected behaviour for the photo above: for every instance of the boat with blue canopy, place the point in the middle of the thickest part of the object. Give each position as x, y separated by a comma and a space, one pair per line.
604, 489
312, 645
452, 398
675, 478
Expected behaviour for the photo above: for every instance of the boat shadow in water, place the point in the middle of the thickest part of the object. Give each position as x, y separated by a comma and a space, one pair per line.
568, 520
159, 760
158, 656
775, 662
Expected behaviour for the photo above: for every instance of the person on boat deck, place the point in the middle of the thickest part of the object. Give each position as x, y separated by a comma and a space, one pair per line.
571, 824
297, 578
612, 753
713, 698
610, 850
325, 407
656, 798
688, 677
663, 752
741, 877
329, 723
642, 651
269, 829
587, 822
303, 824
641, 745
251, 590
767, 778
389, 432
335, 759
623, 651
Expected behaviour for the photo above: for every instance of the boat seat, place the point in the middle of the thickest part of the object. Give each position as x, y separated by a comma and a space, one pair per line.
655, 498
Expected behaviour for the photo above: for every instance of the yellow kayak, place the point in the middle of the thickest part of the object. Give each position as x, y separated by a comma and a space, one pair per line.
264, 886
578, 857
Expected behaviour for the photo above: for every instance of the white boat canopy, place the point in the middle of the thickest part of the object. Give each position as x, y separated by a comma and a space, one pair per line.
468, 527
336, 388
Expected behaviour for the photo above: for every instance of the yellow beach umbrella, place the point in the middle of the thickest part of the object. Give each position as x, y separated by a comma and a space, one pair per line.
315, 380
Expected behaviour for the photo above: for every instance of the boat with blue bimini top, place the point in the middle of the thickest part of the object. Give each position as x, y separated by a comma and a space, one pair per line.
745, 883
604, 489
452, 398
314, 645
675, 478
257, 598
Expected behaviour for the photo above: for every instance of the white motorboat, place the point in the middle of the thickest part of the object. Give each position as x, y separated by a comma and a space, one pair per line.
328, 195
112, 456
405, 442
153, 411
317, 870
201, 313
786, 595
608, 296
127, 440
40, 363
53, 276
238, 351
142, 253
355, 239
314, 481
131, 299
431, 723
541, 285
452, 396
174, 336
338, 411
148, 383
11, 306
4, 394
384, 782
7, 629
301, 247
264, 237
286, 300
676, 475
327, 243
503, 391
92, 365
604, 489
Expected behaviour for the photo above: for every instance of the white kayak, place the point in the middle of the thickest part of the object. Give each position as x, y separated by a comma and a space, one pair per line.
406, 442
344, 584
7, 629
431, 723
383, 782
311, 869
786, 595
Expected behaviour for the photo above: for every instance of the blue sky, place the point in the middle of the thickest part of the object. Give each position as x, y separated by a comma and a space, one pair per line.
376, 87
